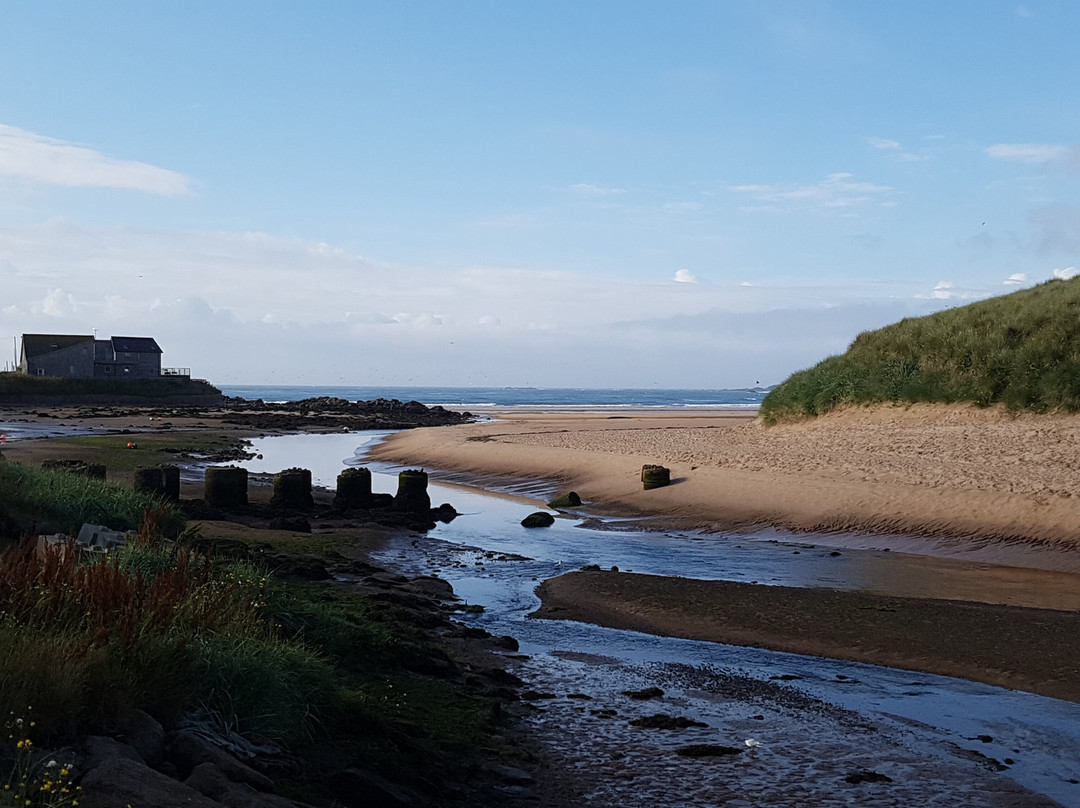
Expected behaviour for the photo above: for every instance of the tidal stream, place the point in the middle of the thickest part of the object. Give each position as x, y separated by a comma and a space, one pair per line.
809, 731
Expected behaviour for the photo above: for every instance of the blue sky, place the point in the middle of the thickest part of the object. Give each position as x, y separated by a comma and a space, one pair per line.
684, 194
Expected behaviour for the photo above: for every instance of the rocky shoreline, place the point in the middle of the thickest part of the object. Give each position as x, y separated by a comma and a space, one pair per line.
308, 415
198, 763
336, 413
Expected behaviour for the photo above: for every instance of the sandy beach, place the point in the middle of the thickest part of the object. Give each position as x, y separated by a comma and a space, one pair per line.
985, 477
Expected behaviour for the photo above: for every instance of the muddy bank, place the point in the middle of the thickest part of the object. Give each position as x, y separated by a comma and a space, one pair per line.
1007, 646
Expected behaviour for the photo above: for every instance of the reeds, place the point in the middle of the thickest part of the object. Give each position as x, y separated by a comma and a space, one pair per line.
163, 629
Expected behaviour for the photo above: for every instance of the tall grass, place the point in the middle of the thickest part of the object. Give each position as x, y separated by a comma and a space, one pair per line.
83, 642
1020, 350
32, 495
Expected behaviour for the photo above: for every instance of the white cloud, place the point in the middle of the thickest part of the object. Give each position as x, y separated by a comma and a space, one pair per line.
943, 290
58, 303
1015, 279
587, 189
1066, 273
417, 320
895, 148
35, 158
267, 307
947, 290
883, 143
367, 318
684, 276
681, 207
1028, 152
836, 191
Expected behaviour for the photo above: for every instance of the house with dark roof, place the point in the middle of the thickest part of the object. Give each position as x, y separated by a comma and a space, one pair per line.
80, 356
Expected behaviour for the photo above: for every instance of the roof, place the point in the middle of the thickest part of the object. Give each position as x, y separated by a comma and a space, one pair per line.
35, 345
135, 345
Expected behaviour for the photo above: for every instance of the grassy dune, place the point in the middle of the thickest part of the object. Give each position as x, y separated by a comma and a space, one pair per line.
1020, 350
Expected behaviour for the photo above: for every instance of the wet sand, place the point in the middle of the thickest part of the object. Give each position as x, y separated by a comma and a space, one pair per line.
1007, 646
775, 746
952, 480
982, 476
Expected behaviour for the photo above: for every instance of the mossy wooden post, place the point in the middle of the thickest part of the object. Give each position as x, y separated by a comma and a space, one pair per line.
655, 476
412, 492
164, 481
292, 489
353, 488
570, 500
225, 487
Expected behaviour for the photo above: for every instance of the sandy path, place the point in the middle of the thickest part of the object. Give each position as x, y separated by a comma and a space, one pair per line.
952, 471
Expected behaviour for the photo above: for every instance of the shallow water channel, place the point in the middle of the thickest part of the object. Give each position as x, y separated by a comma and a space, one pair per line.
805, 726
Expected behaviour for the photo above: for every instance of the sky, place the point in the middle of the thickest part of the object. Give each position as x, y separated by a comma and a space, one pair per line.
611, 193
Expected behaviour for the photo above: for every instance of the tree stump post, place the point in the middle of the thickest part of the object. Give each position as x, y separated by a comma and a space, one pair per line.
162, 481
353, 488
655, 476
225, 487
292, 489
412, 495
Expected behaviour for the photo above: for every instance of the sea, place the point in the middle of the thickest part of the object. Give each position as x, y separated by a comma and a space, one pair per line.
542, 398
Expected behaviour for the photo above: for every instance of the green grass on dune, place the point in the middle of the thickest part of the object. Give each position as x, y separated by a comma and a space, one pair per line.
1020, 350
